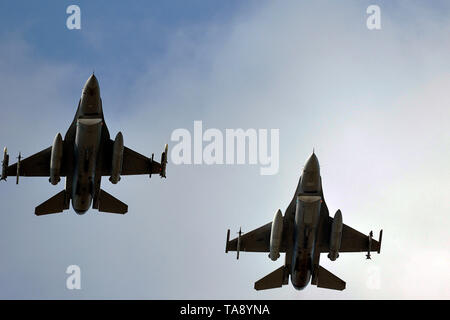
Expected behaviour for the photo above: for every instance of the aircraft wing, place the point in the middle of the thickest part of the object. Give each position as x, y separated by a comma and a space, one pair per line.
352, 240
37, 165
134, 163
257, 240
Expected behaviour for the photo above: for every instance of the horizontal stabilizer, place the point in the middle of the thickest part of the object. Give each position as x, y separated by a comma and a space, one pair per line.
55, 204
274, 279
107, 203
328, 280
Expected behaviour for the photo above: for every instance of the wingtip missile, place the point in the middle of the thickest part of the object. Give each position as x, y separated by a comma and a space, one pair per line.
164, 161
379, 241
18, 168
228, 240
238, 247
5, 164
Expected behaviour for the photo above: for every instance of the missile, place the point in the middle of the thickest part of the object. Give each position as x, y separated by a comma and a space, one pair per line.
18, 168
228, 240
164, 162
5, 164
380, 237
370, 245
238, 247
151, 165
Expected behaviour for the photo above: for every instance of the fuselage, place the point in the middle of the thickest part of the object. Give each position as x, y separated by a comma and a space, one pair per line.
308, 203
89, 130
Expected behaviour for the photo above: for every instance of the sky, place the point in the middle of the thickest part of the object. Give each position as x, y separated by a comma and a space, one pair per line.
374, 105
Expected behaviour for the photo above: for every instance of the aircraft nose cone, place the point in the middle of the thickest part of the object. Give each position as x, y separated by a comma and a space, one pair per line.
91, 82
312, 164
91, 88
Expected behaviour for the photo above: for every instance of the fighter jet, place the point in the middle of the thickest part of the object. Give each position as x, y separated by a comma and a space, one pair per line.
85, 155
304, 232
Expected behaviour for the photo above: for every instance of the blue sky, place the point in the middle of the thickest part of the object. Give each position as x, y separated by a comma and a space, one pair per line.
127, 35
373, 104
